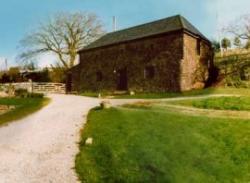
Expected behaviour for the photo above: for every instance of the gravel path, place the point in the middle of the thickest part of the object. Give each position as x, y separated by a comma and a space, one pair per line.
42, 147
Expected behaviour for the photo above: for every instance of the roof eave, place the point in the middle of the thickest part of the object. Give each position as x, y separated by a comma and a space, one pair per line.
197, 36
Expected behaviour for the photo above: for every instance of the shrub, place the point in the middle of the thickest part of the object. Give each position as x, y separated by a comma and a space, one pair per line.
23, 93
234, 81
35, 95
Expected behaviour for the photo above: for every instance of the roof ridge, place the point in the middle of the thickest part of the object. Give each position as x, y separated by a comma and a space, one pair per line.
181, 21
173, 23
153, 21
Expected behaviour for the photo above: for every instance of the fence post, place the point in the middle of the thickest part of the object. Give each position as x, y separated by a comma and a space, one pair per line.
30, 86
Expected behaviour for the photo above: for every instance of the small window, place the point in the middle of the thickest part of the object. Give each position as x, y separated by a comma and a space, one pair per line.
149, 72
151, 46
99, 76
122, 51
198, 47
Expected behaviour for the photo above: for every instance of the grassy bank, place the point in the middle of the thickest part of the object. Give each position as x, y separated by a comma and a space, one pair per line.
156, 145
23, 107
207, 91
219, 103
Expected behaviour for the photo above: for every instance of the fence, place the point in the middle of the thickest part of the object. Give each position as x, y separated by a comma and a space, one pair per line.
36, 87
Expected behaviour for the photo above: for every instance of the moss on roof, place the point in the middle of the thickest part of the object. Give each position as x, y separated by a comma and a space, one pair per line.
162, 26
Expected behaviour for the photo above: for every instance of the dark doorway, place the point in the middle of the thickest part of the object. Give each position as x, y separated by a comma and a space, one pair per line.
122, 79
69, 82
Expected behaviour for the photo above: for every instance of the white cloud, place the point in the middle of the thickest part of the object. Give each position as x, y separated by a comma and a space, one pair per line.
46, 60
7, 62
230, 10
225, 12
42, 61
2, 63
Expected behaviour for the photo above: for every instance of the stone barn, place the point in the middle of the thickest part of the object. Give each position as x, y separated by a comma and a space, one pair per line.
167, 55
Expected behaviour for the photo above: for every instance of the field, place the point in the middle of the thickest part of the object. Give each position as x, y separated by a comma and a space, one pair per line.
150, 142
22, 107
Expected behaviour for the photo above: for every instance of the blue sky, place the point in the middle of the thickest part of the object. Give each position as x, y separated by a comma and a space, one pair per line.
18, 17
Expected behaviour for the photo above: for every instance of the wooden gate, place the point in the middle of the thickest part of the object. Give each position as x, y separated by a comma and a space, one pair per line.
37, 87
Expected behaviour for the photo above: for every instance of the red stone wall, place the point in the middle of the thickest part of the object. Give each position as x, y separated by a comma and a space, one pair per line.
194, 67
164, 53
173, 56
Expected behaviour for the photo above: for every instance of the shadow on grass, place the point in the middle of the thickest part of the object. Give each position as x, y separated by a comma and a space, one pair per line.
24, 107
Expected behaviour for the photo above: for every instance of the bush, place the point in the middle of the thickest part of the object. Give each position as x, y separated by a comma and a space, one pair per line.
235, 81
35, 95
23, 93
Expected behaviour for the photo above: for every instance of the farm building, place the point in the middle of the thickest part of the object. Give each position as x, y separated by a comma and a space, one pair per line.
165, 55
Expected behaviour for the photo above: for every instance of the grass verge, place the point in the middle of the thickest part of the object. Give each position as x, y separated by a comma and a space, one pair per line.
232, 91
145, 145
23, 107
219, 103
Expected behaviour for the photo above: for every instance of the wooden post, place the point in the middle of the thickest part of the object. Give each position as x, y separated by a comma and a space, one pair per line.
30, 86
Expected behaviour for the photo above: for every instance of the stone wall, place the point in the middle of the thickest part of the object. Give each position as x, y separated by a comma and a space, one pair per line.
24, 85
163, 52
173, 56
35, 87
195, 66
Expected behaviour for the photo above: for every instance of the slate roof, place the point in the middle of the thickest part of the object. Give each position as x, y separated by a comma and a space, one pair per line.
162, 26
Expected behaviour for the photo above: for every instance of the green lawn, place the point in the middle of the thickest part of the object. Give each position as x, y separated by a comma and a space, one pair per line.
219, 103
23, 107
207, 91
152, 144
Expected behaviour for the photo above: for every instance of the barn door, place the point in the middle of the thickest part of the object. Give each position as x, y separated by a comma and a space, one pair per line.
122, 79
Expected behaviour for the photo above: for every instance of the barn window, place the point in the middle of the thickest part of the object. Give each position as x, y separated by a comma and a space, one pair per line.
151, 46
99, 76
149, 72
122, 51
198, 47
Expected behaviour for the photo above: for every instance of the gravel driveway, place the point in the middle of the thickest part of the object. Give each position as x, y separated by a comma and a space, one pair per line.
42, 147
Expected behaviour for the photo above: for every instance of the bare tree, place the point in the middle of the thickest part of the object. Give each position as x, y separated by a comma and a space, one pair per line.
237, 42
225, 43
240, 28
64, 34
